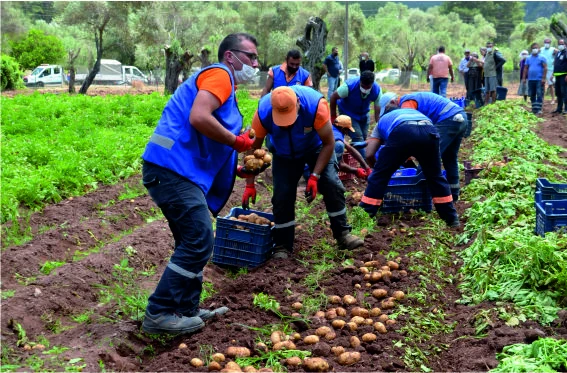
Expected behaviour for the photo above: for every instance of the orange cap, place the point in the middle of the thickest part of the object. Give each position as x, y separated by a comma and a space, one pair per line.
284, 106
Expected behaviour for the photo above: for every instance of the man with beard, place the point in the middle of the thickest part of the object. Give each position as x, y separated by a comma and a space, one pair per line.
288, 73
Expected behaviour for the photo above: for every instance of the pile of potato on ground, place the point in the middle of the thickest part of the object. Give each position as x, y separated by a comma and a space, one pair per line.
252, 218
256, 161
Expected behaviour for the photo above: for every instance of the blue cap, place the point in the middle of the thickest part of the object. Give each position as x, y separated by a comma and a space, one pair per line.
385, 100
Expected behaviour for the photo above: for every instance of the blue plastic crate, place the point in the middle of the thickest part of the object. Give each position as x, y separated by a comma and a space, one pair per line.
551, 191
407, 192
550, 215
248, 246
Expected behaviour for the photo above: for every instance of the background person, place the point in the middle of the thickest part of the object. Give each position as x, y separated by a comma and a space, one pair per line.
440, 67
560, 75
535, 74
366, 63
549, 53
332, 66
288, 73
189, 167
464, 71
490, 78
476, 78
353, 99
523, 87
297, 119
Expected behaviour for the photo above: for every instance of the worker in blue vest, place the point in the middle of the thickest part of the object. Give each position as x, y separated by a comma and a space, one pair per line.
190, 164
451, 122
353, 99
405, 133
297, 119
287, 74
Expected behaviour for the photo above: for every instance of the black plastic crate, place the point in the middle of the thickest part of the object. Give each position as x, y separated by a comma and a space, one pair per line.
242, 244
550, 215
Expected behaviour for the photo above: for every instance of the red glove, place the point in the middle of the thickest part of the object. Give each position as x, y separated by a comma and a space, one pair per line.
333, 118
243, 142
249, 192
311, 190
361, 173
241, 174
368, 171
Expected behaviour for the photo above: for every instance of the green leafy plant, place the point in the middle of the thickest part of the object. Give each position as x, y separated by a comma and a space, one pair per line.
543, 355
10, 73
48, 267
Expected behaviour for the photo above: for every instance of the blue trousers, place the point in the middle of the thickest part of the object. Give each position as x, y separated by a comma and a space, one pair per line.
421, 142
286, 174
184, 206
451, 134
439, 86
535, 89
332, 83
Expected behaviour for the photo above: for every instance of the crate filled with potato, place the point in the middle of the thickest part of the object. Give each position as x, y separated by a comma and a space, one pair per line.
243, 238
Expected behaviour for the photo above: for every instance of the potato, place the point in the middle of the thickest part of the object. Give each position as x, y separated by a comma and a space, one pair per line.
384, 268
234, 351
338, 324
337, 350
383, 318
293, 361
214, 366
251, 133
331, 314
285, 345
330, 336
354, 341
320, 314
379, 293
379, 327
372, 264
249, 369
349, 299
357, 286
349, 358
261, 347
398, 295
359, 311
357, 320
297, 306
296, 336
267, 159
243, 217
322, 331
387, 305
182, 346
265, 370
311, 339
334, 299
341, 312
251, 164
352, 326
393, 265
375, 276
364, 270
375, 312
366, 277
259, 153
233, 218
403, 273
369, 337
316, 364
368, 285
231, 366
277, 336
196, 362
390, 322
218, 357
247, 158
368, 321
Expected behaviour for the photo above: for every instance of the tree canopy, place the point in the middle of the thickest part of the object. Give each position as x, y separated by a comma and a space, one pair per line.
37, 48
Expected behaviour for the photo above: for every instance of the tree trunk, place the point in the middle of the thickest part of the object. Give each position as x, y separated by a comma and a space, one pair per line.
71, 64
99, 49
313, 44
174, 65
558, 29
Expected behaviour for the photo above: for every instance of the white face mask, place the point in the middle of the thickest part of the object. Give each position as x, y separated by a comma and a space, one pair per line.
488, 50
546, 45
535, 51
365, 91
561, 47
245, 75
523, 56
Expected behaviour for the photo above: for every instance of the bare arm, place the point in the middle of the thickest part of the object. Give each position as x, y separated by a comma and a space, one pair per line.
451, 73
203, 121
326, 135
429, 68
268, 86
333, 104
356, 156
543, 79
376, 111
371, 149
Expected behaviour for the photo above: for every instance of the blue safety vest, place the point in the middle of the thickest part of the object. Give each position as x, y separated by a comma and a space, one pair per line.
179, 147
301, 137
339, 136
433, 106
298, 79
354, 105
389, 121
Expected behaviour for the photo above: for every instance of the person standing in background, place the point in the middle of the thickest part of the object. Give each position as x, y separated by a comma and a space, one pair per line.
549, 52
560, 75
365, 63
523, 87
535, 74
288, 73
490, 79
440, 67
332, 66
464, 71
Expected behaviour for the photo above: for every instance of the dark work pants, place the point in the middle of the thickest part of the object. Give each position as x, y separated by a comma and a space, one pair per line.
184, 206
421, 142
535, 88
286, 174
451, 134
561, 92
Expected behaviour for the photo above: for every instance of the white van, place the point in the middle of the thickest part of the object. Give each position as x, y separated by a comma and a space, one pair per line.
113, 72
44, 75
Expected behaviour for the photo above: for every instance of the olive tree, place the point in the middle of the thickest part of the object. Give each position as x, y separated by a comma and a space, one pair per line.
37, 48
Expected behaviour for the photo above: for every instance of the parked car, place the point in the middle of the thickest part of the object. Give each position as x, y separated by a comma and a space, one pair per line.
351, 73
387, 74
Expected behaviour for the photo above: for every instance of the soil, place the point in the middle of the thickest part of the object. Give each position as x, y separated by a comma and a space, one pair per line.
111, 230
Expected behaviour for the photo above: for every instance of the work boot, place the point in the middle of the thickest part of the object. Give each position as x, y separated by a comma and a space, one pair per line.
171, 323
281, 252
348, 241
454, 223
209, 314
